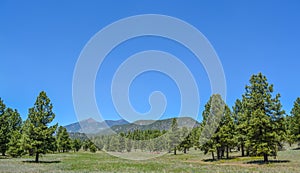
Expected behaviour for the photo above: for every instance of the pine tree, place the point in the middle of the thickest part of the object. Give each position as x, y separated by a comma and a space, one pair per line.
174, 136
122, 143
39, 136
227, 131
114, 144
212, 115
10, 123
63, 140
128, 145
85, 145
241, 120
295, 120
289, 125
76, 145
15, 148
265, 133
99, 142
186, 143
195, 137
4, 128
15, 122
92, 147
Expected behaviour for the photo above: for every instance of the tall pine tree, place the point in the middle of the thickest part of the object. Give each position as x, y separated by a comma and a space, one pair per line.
266, 115
39, 134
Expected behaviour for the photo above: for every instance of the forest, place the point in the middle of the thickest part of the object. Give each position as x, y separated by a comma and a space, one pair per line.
256, 125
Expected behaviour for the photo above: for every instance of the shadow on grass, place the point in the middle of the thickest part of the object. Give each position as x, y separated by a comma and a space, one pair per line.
209, 160
214, 160
297, 148
32, 161
261, 162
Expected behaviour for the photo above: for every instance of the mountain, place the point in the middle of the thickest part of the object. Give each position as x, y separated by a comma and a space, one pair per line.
151, 125
92, 126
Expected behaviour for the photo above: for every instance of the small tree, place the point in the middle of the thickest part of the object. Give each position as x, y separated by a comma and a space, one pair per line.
122, 143
186, 144
128, 145
227, 132
4, 128
76, 145
174, 136
39, 136
295, 120
15, 122
212, 115
10, 124
92, 147
15, 146
241, 121
63, 140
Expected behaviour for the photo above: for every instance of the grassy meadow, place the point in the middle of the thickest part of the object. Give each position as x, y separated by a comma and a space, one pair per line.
194, 161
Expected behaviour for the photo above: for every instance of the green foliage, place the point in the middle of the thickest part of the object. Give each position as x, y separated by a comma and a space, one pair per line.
195, 137
212, 115
63, 140
241, 120
4, 128
38, 136
76, 144
226, 133
186, 143
174, 136
10, 124
128, 145
15, 122
295, 120
15, 148
86, 145
122, 144
92, 148
265, 128
114, 144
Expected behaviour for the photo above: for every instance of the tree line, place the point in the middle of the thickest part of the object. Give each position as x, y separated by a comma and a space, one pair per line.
256, 125
34, 136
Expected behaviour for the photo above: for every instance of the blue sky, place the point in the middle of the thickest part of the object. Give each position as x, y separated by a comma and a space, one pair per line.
40, 43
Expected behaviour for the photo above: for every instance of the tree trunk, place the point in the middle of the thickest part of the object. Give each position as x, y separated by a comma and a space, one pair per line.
37, 157
222, 153
218, 153
3, 153
184, 150
248, 151
243, 150
175, 151
227, 153
213, 156
31, 152
266, 158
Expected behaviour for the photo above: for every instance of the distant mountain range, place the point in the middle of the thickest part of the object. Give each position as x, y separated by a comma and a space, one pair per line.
91, 126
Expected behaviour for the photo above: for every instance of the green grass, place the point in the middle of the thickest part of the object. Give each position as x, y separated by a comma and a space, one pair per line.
195, 161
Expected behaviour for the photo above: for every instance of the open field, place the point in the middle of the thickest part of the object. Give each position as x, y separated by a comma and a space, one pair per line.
195, 161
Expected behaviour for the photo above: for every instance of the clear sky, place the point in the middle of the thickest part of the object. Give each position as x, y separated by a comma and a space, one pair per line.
40, 42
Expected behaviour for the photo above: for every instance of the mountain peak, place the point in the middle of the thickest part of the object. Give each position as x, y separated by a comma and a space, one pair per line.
89, 120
